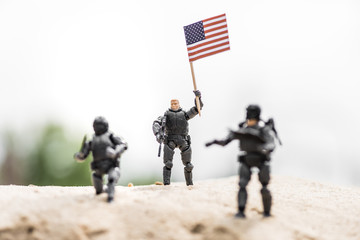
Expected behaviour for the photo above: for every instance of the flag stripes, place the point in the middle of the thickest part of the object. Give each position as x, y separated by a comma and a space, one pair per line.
215, 40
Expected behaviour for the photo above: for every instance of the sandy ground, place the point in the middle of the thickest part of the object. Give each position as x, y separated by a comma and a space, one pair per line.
302, 209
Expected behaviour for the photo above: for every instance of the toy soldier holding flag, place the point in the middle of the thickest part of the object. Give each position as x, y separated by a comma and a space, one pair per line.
203, 38
172, 129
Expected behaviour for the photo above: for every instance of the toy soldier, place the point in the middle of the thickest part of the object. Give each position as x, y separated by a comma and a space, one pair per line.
106, 149
172, 130
256, 144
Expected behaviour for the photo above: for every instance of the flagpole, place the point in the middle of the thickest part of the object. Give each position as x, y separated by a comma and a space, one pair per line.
195, 88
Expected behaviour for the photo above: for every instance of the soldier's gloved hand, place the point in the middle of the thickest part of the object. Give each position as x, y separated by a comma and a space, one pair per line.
79, 156
197, 93
120, 149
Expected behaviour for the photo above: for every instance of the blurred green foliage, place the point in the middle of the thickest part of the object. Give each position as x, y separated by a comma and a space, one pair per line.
45, 158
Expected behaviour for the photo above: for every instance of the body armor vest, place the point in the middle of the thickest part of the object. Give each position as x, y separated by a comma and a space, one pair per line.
253, 144
99, 145
176, 122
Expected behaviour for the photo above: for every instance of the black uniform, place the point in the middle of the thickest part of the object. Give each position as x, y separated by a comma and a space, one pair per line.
256, 143
175, 134
106, 149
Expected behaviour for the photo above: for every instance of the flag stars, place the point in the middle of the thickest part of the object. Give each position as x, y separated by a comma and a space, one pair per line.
194, 33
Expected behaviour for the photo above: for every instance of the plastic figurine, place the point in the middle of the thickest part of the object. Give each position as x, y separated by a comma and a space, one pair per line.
106, 149
172, 130
256, 143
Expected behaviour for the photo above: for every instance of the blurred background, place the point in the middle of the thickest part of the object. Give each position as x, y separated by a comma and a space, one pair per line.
62, 63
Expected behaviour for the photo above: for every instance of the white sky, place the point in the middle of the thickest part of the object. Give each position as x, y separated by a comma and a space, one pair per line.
73, 60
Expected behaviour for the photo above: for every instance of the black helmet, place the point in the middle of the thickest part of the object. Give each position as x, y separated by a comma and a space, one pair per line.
100, 125
253, 112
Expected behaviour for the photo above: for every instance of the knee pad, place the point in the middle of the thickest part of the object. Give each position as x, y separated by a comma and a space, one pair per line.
114, 175
243, 183
168, 164
189, 167
264, 191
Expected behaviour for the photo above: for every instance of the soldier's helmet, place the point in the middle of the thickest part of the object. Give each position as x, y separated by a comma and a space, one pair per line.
253, 112
100, 125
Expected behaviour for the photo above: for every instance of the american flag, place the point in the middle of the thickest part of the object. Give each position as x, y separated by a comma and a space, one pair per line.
207, 37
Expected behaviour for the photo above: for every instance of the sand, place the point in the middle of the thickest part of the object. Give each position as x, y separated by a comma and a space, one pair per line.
302, 209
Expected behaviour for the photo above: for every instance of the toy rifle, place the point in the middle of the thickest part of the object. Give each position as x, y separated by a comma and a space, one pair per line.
83, 143
162, 134
221, 143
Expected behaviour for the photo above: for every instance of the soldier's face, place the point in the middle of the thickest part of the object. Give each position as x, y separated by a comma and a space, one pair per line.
175, 104
251, 122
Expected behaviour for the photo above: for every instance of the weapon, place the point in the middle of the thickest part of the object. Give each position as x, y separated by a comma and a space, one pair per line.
159, 152
83, 143
79, 156
221, 143
162, 134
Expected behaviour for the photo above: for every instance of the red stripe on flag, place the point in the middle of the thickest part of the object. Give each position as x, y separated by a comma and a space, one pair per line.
208, 54
214, 29
208, 48
205, 43
215, 34
214, 23
208, 19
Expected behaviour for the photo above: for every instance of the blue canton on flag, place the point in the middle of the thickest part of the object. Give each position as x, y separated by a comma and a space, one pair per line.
194, 33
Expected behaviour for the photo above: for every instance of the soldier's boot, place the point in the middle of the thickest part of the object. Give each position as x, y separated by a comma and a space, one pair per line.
98, 183
166, 175
266, 198
188, 174
242, 198
113, 177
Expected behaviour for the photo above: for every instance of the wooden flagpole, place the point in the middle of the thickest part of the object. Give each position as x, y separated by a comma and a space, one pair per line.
197, 98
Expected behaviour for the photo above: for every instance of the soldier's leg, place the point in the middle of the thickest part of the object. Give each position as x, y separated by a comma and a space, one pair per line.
245, 175
97, 181
168, 158
264, 177
113, 177
186, 159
